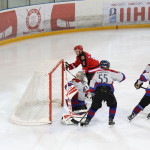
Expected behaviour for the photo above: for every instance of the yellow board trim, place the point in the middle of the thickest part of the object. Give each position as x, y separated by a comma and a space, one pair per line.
134, 26
16, 39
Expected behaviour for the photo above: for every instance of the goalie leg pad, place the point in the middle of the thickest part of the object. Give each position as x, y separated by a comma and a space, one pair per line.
74, 119
66, 119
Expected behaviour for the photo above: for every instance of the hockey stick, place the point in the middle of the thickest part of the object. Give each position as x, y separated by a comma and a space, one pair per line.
143, 87
69, 71
79, 122
71, 74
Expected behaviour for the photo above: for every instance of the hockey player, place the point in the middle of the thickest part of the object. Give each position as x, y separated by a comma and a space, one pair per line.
78, 99
145, 101
102, 87
75, 99
89, 64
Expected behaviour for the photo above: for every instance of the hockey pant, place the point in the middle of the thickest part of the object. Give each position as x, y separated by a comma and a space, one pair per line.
100, 96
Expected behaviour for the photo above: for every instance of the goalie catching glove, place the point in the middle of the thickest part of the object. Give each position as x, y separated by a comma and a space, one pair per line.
138, 84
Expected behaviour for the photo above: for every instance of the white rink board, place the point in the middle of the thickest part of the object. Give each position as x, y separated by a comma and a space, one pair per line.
71, 15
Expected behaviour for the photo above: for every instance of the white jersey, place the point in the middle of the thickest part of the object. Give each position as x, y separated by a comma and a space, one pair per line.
144, 78
80, 86
147, 69
105, 77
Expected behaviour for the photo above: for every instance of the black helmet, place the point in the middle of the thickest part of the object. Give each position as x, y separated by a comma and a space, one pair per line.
104, 64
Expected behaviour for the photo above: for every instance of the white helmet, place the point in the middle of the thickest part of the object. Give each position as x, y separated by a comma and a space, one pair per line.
80, 75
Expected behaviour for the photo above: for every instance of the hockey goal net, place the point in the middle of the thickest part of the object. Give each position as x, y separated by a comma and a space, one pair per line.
45, 89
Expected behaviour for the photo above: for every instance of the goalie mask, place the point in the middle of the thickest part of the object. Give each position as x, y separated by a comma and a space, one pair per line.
80, 75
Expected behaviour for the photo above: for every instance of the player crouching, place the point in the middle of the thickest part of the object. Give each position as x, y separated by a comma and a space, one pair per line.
75, 98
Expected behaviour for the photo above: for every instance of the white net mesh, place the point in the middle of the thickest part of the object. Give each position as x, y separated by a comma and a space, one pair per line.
33, 108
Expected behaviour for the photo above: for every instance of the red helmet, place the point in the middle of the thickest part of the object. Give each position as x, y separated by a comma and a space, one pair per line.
78, 47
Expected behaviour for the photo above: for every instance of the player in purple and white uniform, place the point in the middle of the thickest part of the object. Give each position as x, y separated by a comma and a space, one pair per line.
102, 88
145, 101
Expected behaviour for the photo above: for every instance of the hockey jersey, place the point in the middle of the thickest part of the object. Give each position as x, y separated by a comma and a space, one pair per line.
105, 77
145, 76
147, 69
77, 86
89, 64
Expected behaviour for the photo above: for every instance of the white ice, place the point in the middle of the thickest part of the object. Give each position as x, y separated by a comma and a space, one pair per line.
128, 52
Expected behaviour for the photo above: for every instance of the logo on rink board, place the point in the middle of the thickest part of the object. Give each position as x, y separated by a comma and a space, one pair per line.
112, 15
33, 21
126, 12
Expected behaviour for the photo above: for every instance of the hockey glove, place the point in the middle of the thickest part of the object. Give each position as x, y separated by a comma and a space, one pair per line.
137, 85
66, 65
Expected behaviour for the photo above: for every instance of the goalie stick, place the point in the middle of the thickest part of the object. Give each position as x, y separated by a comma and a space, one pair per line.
79, 122
75, 119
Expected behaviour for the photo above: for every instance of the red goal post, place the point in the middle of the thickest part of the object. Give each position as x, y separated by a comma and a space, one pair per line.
61, 62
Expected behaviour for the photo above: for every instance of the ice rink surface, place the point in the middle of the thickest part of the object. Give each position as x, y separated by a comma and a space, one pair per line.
127, 50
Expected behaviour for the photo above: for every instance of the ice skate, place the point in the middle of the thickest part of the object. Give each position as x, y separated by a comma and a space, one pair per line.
131, 116
86, 122
148, 116
111, 122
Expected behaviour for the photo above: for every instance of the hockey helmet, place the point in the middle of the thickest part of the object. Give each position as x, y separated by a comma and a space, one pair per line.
104, 64
80, 75
78, 47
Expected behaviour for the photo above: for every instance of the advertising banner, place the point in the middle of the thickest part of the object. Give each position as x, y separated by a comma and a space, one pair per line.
8, 25
36, 19
49, 17
62, 17
121, 13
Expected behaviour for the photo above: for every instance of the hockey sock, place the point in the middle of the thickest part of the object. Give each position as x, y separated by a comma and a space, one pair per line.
91, 113
112, 111
137, 109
